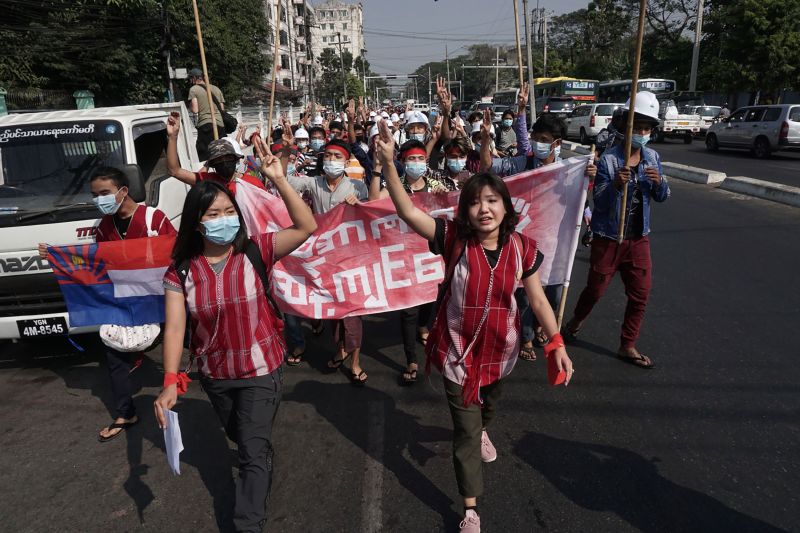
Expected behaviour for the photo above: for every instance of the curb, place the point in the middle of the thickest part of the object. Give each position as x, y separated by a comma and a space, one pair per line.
765, 190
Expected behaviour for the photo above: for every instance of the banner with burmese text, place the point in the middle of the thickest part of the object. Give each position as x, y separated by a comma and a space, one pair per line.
363, 259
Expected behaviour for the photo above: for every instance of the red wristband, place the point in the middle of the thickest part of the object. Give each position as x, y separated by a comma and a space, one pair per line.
180, 378
556, 342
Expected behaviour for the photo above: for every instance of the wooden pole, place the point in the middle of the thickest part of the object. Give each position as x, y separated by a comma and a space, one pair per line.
519, 45
211, 105
274, 72
631, 112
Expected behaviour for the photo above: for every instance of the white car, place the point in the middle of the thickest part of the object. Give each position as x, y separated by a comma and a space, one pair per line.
421, 107
708, 113
762, 129
586, 121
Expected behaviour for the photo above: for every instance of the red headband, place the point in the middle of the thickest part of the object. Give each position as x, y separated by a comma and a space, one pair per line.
413, 151
454, 150
339, 149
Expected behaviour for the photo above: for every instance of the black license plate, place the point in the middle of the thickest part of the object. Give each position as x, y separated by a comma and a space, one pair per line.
42, 327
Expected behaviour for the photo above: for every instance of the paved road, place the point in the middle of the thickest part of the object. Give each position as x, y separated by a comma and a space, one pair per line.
708, 441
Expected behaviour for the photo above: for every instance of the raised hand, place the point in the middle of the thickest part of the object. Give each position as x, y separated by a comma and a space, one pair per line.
522, 97
486, 126
445, 98
437, 126
286, 136
173, 124
384, 144
351, 110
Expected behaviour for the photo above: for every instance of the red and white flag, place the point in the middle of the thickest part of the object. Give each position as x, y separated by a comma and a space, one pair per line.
363, 259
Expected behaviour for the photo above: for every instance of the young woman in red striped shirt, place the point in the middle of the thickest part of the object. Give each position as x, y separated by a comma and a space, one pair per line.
476, 334
235, 333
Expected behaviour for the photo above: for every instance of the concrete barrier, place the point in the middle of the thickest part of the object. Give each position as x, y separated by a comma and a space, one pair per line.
766, 190
693, 174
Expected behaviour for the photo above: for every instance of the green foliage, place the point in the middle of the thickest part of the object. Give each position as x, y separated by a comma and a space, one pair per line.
335, 70
117, 48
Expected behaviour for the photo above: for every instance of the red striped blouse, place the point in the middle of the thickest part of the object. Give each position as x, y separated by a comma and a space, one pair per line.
233, 327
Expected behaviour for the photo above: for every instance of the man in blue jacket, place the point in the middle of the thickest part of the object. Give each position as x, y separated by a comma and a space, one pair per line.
631, 257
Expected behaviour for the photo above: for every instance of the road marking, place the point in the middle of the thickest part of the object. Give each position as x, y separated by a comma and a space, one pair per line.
372, 492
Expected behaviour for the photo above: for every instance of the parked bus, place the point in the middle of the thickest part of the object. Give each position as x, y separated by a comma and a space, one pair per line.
620, 90
582, 91
506, 98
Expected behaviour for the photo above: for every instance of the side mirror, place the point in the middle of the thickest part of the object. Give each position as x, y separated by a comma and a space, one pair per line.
135, 182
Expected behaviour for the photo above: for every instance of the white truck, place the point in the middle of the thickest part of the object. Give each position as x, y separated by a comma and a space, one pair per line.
675, 125
46, 160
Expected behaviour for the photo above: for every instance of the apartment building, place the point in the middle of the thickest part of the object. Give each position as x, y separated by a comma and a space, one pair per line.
335, 19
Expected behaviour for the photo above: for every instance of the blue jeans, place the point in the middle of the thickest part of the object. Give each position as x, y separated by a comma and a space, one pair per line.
295, 337
527, 318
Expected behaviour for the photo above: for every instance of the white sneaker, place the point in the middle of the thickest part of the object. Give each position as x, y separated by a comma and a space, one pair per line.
471, 522
488, 451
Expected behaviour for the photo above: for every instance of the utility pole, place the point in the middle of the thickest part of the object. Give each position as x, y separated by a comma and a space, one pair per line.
430, 93
447, 60
341, 64
544, 65
497, 70
698, 32
531, 99
364, 68
309, 54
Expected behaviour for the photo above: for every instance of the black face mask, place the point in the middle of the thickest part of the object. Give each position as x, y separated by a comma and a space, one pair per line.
226, 169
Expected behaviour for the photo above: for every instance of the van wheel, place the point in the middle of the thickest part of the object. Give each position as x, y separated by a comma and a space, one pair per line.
584, 138
761, 148
687, 139
711, 143
657, 136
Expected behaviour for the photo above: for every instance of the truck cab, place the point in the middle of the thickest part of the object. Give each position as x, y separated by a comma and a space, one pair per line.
46, 161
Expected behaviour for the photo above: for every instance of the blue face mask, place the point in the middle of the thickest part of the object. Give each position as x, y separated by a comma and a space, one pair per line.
317, 144
456, 165
507, 122
291, 170
477, 146
542, 150
221, 230
415, 169
107, 203
416, 137
639, 141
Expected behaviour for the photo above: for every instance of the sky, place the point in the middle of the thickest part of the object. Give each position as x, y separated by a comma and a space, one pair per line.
427, 25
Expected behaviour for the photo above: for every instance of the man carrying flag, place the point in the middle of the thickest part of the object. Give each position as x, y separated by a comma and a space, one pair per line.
123, 219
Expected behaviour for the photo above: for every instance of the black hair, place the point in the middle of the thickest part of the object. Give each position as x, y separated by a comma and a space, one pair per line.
340, 143
408, 145
471, 189
110, 173
337, 125
458, 142
368, 124
509, 112
551, 124
474, 117
276, 134
189, 242
316, 129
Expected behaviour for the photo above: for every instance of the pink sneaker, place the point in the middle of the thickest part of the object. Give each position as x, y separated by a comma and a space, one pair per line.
488, 451
471, 522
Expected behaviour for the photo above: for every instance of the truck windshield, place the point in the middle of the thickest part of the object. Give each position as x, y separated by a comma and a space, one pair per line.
47, 165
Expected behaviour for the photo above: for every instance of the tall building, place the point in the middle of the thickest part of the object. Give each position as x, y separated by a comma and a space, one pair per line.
335, 19
293, 61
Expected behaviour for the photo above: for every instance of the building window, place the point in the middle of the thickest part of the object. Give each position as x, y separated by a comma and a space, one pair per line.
343, 14
284, 38
284, 61
344, 26
287, 82
324, 39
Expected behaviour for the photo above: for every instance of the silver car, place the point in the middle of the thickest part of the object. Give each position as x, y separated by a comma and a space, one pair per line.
762, 129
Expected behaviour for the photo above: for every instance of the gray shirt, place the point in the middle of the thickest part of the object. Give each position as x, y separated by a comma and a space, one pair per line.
322, 197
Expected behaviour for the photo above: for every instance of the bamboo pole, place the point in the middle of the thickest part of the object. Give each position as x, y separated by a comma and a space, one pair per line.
519, 46
211, 105
274, 71
631, 112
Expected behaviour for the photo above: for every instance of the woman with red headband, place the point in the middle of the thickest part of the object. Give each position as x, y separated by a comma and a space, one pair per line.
475, 337
417, 178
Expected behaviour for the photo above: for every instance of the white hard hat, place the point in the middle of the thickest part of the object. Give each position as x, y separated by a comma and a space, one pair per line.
389, 123
395, 117
416, 117
301, 133
373, 114
384, 114
318, 120
646, 105
373, 131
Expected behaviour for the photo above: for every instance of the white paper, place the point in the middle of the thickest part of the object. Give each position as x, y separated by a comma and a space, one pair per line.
173, 441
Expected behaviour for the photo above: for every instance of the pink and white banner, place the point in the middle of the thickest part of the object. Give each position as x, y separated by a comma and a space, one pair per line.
363, 259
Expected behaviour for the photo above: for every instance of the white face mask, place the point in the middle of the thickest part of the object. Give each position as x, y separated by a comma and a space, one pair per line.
334, 169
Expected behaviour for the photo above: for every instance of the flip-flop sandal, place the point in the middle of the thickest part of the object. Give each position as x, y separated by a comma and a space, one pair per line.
640, 360
422, 338
540, 339
409, 377
356, 379
526, 353
317, 328
294, 359
335, 364
121, 426
569, 335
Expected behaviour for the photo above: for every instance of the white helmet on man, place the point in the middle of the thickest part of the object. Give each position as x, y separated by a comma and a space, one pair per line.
301, 133
646, 106
416, 117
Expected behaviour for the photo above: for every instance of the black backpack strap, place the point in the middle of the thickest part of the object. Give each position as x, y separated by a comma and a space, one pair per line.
213, 97
254, 256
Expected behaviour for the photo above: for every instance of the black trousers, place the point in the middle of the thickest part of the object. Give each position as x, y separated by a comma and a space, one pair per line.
205, 134
247, 409
119, 369
411, 319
